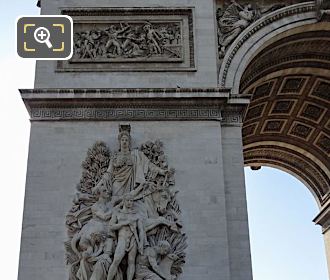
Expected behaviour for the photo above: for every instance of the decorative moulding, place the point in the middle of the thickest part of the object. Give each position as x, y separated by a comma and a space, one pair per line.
134, 104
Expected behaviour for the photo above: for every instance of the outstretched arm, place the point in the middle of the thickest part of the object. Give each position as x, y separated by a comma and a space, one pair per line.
113, 222
152, 223
103, 215
109, 171
233, 2
106, 177
136, 191
114, 225
155, 169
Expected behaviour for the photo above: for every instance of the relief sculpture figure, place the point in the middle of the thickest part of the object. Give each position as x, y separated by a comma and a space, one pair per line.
235, 18
129, 40
104, 261
153, 38
87, 242
128, 168
322, 8
130, 229
113, 38
151, 266
125, 222
233, 21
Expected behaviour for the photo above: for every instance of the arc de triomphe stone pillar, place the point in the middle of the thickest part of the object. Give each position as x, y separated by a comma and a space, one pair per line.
139, 98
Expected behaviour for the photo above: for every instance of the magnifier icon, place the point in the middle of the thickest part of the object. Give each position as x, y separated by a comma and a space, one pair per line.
42, 35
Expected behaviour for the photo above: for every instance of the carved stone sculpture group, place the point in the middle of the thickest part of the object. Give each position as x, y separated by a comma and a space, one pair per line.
322, 8
129, 40
234, 18
125, 220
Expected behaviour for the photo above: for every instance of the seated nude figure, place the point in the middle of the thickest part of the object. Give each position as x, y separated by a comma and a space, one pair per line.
131, 236
101, 214
147, 267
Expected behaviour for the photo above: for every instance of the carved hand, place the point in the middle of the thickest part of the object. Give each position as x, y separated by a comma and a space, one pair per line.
107, 216
85, 255
125, 223
173, 257
130, 221
168, 172
119, 225
140, 249
163, 172
174, 227
105, 257
165, 221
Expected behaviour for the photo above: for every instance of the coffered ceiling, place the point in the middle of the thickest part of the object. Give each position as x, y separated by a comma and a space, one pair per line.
287, 124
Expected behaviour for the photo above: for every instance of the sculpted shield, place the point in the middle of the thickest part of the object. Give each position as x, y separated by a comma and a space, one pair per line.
125, 221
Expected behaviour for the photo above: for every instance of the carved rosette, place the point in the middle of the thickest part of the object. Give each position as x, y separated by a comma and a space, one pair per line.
125, 221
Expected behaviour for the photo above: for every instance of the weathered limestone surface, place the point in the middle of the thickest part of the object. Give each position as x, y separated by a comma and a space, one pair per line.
205, 51
326, 237
237, 218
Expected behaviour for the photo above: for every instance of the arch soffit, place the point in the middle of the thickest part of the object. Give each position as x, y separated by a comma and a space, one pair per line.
293, 160
305, 71
290, 128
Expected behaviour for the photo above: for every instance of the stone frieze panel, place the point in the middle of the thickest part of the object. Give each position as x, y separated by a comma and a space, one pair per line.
134, 39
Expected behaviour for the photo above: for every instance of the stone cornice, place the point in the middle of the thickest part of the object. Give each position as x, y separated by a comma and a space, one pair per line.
323, 218
134, 104
141, 91
106, 11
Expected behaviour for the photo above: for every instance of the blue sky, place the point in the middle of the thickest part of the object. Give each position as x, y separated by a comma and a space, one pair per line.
286, 245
